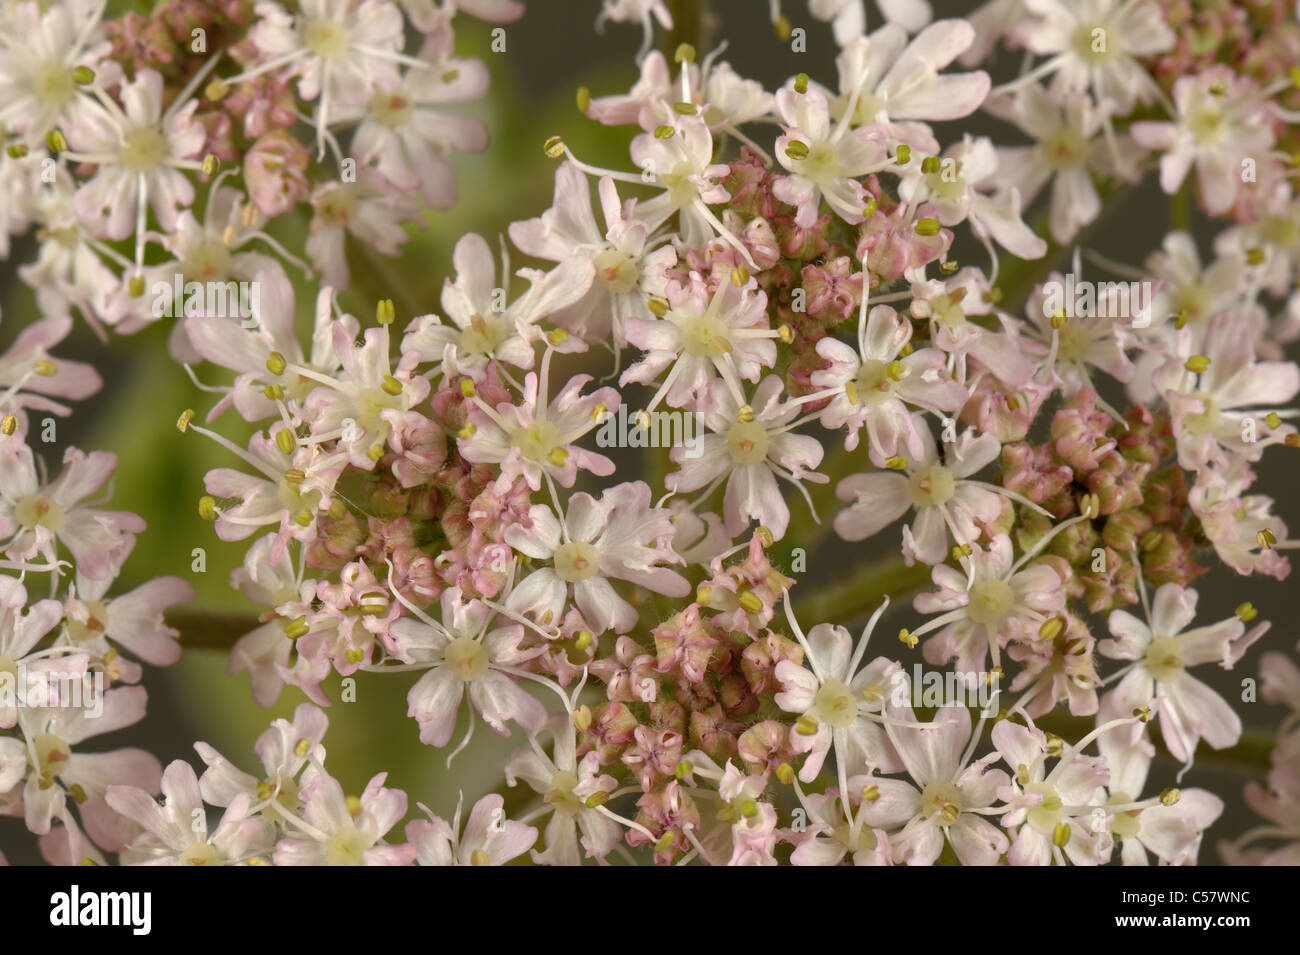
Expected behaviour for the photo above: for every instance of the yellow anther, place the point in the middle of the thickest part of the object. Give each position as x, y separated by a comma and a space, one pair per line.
582, 639
1266, 538
961, 550
749, 601
1143, 714
785, 333
385, 312
1055, 745
785, 774
558, 456
783, 29
806, 726
553, 147
1051, 628
1256, 256
1061, 835
56, 142
183, 422
8, 425
801, 83
391, 386
739, 276
295, 476
355, 655
301, 748
903, 155
211, 163
851, 391
745, 414
1170, 797
685, 109
1181, 319
304, 518
274, 392
216, 90
685, 53
871, 793
1060, 319
908, 638
45, 368
599, 412
135, 286
896, 462
208, 507
949, 267
797, 149
665, 842
286, 441
896, 370
1022, 774
598, 798
1273, 420
83, 75
703, 593
870, 208
664, 132
1246, 612
375, 452
467, 387
16, 151
764, 535
582, 718
479, 857
584, 99
276, 364
297, 628
658, 305
557, 337
1197, 364
928, 226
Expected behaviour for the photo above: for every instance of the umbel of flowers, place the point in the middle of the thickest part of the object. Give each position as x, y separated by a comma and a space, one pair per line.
428, 496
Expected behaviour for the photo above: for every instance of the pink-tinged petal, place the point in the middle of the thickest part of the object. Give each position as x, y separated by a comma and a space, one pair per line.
434, 701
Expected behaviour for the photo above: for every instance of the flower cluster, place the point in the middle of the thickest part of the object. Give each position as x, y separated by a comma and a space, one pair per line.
790, 327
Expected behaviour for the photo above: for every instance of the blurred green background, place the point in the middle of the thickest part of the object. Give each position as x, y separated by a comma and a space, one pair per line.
549, 54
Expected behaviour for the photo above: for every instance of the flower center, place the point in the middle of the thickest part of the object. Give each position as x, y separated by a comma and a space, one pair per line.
990, 601
1206, 124
537, 441
337, 206
931, 487
1065, 148
1164, 659
53, 84
875, 387
1072, 341
576, 560
52, 755
561, 795
1047, 814
616, 271
392, 109
1124, 825
484, 335
95, 625
835, 705
747, 442
821, 165
1207, 420
346, 847
37, 511
200, 853
705, 336
941, 799
681, 190
326, 39
209, 261
1096, 43
142, 149
466, 658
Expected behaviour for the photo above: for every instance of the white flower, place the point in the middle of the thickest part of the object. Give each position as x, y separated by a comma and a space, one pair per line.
489, 837
620, 536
